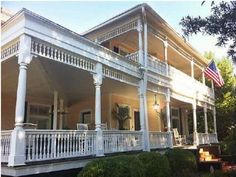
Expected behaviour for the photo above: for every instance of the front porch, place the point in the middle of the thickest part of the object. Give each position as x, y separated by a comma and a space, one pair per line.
58, 96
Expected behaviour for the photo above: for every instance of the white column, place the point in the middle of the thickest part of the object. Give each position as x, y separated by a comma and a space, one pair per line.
140, 41
203, 77
165, 43
55, 103
17, 143
145, 45
168, 118
205, 118
168, 111
195, 136
61, 114
214, 119
143, 114
141, 107
192, 68
98, 82
147, 140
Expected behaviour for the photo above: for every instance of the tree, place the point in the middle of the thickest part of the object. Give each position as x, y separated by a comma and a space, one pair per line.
225, 102
225, 99
221, 23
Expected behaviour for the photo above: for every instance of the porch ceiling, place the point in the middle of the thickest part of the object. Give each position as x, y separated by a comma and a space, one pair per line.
73, 84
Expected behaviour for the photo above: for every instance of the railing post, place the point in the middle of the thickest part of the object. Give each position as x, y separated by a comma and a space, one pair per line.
18, 137
98, 82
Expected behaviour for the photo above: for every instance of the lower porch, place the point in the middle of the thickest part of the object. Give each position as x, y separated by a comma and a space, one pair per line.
58, 97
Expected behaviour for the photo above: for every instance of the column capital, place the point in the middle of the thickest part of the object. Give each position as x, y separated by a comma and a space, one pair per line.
97, 79
140, 28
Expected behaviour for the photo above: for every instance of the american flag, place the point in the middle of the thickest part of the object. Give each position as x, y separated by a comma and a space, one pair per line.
213, 73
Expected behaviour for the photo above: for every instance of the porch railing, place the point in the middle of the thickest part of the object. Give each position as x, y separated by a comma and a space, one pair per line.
121, 141
207, 138
133, 57
56, 144
159, 140
5, 145
156, 65
41, 145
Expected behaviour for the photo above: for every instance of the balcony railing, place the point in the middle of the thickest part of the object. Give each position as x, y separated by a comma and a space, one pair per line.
207, 138
154, 64
5, 145
186, 85
160, 140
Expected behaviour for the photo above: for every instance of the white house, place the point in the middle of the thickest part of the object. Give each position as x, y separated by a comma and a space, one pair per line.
55, 80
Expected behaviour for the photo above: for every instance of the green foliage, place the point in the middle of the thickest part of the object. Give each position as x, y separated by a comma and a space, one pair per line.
155, 164
229, 145
119, 166
121, 113
226, 99
221, 23
182, 162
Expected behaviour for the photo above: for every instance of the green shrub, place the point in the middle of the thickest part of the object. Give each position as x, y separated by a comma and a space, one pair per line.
182, 162
155, 164
119, 166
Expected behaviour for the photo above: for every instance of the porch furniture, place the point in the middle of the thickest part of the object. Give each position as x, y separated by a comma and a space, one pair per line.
179, 139
81, 126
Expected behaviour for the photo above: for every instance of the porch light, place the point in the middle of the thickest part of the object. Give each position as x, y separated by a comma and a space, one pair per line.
156, 106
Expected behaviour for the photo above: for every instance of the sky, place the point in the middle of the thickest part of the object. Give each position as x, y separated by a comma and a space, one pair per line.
79, 16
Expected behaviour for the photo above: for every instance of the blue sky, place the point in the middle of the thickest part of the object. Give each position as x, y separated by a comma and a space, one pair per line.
80, 16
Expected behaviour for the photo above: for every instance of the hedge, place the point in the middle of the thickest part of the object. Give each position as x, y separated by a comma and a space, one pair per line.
154, 164
182, 162
119, 166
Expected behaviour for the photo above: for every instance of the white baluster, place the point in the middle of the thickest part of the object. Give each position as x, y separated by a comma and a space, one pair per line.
33, 147
36, 149
58, 145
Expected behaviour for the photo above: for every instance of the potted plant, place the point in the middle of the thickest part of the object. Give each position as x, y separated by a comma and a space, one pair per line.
121, 113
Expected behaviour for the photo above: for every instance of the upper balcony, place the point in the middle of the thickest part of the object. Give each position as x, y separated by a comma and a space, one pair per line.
180, 82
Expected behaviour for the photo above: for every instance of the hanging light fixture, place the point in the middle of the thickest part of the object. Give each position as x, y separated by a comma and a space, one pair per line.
156, 106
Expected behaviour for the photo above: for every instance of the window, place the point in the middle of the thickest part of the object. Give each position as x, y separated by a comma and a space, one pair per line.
40, 115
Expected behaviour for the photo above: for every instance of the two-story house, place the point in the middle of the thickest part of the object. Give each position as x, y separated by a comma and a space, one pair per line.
55, 81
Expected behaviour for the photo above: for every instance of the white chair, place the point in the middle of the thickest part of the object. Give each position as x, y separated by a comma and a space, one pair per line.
179, 139
81, 126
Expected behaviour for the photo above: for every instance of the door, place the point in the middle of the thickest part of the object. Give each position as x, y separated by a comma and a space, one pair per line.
86, 117
136, 121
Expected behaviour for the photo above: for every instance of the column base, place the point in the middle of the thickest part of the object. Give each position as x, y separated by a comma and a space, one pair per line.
146, 142
99, 143
17, 147
195, 139
170, 139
